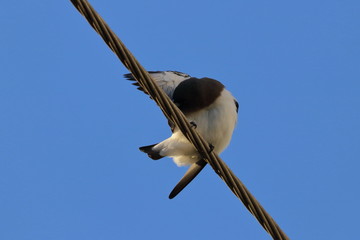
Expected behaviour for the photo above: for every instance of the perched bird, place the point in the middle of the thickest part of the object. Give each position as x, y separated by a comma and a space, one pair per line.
208, 106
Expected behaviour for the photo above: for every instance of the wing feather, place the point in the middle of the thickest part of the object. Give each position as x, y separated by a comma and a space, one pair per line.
166, 80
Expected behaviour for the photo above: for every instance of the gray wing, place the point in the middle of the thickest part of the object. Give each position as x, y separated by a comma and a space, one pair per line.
167, 80
190, 174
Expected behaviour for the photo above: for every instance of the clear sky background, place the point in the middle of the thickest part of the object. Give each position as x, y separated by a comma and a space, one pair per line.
70, 125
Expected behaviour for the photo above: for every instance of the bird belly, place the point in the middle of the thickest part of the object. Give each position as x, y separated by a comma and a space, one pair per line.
217, 122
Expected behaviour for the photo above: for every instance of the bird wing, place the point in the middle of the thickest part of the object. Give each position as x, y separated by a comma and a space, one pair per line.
166, 80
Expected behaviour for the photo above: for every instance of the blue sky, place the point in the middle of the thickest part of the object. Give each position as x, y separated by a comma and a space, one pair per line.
70, 125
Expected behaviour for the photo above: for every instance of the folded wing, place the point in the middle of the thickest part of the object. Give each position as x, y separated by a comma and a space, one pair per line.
167, 80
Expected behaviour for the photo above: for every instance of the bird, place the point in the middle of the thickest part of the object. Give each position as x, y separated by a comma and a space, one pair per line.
210, 109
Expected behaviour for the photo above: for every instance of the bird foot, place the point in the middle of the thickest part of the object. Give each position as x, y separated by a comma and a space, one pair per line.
193, 124
211, 148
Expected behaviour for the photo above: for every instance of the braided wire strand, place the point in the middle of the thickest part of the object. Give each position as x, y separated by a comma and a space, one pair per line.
174, 114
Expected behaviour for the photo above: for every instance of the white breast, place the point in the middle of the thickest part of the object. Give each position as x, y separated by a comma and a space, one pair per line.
217, 122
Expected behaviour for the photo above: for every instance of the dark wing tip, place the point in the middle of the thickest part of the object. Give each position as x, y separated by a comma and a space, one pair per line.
129, 76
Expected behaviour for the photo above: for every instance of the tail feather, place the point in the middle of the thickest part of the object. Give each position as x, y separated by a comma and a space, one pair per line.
190, 174
155, 155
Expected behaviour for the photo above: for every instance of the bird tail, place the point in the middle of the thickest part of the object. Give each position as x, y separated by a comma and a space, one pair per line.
153, 154
190, 174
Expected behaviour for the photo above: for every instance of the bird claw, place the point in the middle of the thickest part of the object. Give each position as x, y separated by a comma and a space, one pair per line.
193, 124
211, 148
